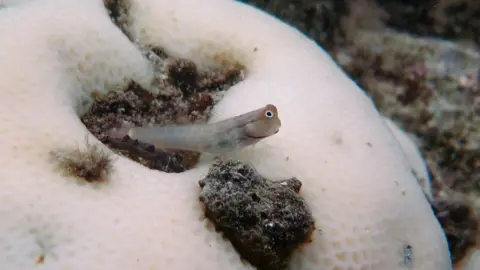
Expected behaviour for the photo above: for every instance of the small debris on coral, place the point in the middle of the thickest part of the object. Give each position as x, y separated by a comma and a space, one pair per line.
40, 259
91, 164
264, 220
408, 255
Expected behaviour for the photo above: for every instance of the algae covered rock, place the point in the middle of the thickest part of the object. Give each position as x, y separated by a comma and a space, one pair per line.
265, 220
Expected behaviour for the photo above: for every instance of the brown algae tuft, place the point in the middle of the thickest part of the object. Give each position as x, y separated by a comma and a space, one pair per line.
264, 220
91, 164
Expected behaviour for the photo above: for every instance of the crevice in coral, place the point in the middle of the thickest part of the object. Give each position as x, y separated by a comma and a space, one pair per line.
186, 96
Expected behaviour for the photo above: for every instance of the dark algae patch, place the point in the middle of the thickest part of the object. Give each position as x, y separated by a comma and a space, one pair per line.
138, 107
459, 221
264, 220
147, 155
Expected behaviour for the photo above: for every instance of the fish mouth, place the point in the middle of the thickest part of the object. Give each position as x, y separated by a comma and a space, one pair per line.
261, 137
256, 138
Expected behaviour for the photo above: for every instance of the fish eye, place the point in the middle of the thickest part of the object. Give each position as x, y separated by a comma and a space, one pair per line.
268, 114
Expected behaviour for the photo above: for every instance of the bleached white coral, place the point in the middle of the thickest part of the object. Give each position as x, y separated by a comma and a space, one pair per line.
366, 202
419, 168
9, 3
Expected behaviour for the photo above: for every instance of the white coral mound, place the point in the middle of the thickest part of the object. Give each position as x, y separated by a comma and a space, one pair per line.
55, 53
367, 204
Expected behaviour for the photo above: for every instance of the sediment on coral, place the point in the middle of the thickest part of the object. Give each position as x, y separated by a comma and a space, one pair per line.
264, 220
